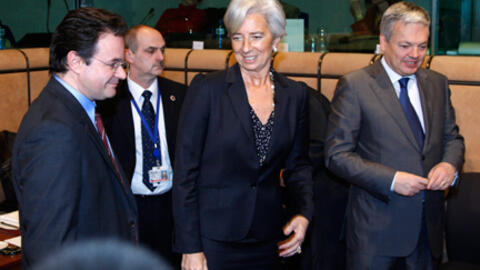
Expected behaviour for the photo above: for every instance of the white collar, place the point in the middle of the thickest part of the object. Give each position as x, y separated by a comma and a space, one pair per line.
136, 90
394, 76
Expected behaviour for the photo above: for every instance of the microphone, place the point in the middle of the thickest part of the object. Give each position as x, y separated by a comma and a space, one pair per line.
149, 15
49, 4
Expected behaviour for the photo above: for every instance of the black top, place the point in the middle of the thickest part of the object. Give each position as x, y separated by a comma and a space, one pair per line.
263, 134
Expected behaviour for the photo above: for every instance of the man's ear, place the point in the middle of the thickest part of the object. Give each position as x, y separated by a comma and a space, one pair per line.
383, 42
74, 61
129, 55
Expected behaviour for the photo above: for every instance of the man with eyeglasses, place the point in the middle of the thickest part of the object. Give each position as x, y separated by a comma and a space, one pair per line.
68, 181
141, 122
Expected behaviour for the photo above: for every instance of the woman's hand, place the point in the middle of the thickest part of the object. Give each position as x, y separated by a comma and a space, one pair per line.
194, 261
292, 245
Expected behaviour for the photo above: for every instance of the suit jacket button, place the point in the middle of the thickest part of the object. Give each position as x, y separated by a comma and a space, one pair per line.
254, 185
423, 157
132, 224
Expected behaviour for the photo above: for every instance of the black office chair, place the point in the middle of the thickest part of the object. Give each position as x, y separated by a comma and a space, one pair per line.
462, 234
8, 202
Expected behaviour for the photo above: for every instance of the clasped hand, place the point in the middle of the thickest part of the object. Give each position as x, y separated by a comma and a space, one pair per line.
440, 177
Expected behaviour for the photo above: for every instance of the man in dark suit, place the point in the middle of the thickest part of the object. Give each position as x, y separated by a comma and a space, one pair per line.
324, 246
330, 194
392, 135
123, 116
69, 184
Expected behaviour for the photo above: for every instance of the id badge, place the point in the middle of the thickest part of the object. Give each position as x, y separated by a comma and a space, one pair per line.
157, 175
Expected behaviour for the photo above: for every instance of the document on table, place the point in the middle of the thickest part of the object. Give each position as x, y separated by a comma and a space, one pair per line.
16, 241
10, 221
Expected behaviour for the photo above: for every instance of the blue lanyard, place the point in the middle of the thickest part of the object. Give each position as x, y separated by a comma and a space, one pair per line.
153, 136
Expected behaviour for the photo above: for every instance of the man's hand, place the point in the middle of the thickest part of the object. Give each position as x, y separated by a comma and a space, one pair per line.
292, 245
408, 184
194, 261
441, 176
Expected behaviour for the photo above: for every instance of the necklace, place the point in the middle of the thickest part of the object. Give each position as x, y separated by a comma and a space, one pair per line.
273, 87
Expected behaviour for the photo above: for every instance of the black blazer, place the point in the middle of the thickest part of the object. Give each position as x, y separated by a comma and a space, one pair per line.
117, 117
66, 184
219, 190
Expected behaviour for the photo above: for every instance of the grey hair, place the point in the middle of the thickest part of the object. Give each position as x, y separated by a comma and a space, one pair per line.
272, 11
405, 12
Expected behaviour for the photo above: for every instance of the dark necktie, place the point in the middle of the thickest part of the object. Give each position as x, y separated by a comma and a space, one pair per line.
410, 113
103, 135
147, 143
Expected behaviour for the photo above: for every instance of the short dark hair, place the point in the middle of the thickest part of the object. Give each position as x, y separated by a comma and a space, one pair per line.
79, 31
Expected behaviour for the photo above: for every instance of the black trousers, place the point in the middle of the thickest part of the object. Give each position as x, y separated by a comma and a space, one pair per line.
241, 255
155, 225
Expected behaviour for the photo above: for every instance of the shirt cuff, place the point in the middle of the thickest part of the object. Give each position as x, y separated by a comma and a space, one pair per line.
454, 182
393, 181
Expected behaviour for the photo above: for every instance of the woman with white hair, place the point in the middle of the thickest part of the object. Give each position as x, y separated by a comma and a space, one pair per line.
238, 129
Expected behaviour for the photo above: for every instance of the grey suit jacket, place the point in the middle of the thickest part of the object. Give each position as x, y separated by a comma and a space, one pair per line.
369, 139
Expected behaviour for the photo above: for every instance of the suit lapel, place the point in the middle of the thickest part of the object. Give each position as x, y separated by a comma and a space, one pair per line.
169, 104
281, 117
125, 119
238, 97
383, 89
426, 94
76, 108
95, 137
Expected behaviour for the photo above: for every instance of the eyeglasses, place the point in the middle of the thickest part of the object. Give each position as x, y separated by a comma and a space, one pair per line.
115, 65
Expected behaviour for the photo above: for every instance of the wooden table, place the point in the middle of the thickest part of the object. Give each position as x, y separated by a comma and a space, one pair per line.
10, 262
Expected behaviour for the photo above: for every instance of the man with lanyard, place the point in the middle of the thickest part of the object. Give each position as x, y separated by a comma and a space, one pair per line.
141, 122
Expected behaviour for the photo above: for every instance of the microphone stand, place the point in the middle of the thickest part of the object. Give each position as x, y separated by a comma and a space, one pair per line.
147, 17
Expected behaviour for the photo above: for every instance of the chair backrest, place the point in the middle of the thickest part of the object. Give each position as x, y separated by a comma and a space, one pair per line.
335, 65
175, 61
464, 81
462, 232
205, 61
299, 66
23, 74
8, 200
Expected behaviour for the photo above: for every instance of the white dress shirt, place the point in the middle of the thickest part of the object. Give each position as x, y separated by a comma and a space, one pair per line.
412, 89
413, 95
138, 187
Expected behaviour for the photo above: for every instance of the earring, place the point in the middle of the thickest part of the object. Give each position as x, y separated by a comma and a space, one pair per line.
274, 49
